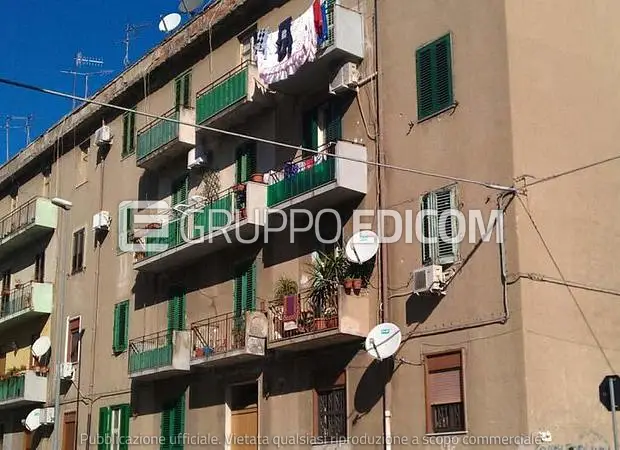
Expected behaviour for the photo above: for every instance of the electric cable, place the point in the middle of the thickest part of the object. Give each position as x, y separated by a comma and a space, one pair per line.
571, 171
255, 138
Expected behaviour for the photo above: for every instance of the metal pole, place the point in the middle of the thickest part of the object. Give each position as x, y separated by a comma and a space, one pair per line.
612, 397
7, 126
86, 86
60, 335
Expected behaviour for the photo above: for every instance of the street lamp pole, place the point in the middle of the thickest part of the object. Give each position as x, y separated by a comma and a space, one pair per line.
59, 341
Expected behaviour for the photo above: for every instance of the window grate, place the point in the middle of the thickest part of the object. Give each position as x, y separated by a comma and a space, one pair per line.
332, 420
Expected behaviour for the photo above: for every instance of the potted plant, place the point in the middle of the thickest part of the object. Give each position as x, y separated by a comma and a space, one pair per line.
330, 314
348, 283
285, 287
327, 273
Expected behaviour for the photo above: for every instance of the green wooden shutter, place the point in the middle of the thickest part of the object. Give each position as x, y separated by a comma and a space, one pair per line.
129, 131
124, 431
176, 310
429, 230
245, 162
179, 190
238, 294
104, 428
165, 429
178, 423
178, 89
446, 250
121, 326
187, 84
434, 77
310, 129
250, 288
333, 121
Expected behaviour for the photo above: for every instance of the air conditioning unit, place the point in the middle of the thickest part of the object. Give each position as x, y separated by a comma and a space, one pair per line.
103, 136
428, 279
345, 80
67, 370
197, 157
46, 416
102, 221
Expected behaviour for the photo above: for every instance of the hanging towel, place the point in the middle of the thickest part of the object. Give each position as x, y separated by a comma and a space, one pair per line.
285, 39
261, 39
318, 17
304, 47
291, 308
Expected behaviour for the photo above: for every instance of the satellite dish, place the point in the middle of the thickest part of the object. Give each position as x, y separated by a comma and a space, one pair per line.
189, 6
383, 341
362, 246
33, 420
41, 346
169, 22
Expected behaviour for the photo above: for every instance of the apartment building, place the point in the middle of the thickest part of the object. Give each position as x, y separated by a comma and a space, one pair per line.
197, 333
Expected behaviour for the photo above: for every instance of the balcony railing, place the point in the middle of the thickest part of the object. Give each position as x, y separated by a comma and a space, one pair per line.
296, 315
19, 219
157, 134
301, 175
448, 418
224, 92
12, 388
152, 351
17, 300
219, 213
217, 335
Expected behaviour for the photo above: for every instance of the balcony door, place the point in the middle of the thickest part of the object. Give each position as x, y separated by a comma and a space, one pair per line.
6, 291
69, 431
243, 404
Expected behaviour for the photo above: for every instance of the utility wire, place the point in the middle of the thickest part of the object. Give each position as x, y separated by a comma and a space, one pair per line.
571, 171
566, 283
254, 138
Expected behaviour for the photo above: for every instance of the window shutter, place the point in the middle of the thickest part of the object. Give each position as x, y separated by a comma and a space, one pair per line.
245, 164
179, 190
132, 132
124, 432
125, 134
165, 429
178, 422
178, 92
237, 295
176, 310
187, 79
443, 82
250, 300
104, 428
446, 251
123, 326
424, 74
429, 231
116, 330
333, 122
445, 387
310, 130
434, 77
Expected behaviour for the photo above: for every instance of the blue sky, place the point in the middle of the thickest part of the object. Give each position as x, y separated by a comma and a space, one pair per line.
38, 39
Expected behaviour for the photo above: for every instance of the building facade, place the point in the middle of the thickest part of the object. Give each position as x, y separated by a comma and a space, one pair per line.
224, 317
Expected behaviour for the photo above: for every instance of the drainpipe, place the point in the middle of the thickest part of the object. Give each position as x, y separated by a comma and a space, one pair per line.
383, 259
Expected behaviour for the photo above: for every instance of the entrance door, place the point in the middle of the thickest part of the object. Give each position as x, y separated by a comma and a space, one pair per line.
244, 416
68, 435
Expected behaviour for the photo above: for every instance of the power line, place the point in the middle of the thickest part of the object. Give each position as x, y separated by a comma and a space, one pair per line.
566, 283
254, 138
571, 171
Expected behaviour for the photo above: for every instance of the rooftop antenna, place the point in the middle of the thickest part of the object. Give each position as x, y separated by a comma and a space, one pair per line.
27, 124
79, 61
8, 126
131, 31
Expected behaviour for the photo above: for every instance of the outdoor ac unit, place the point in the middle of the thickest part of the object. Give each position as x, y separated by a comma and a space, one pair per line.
103, 136
67, 371
102, 221
47, 416
345, 80
428, 279
197, 158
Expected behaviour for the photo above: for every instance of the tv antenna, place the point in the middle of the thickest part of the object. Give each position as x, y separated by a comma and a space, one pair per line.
7, 127
79, 61
131, 31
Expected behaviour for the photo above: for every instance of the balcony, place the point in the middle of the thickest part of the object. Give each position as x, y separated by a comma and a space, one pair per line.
159, 355
237, 216
296, 324
236, 91
318, 181
161, 140
345, 43
229, 339
23, 389
28, 222
25, 302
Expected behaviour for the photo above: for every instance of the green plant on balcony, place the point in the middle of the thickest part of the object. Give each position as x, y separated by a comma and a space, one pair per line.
283, 288
327, 272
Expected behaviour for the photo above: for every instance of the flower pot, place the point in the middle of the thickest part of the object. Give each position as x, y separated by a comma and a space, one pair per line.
348, 283
331, 322
257, 177
320, 323
357, 284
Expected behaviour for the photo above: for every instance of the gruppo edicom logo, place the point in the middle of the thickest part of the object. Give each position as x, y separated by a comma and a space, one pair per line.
154, 226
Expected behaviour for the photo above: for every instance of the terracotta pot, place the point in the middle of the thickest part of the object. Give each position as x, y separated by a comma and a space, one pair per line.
357, 284
331, 322
257, 177
320, 323
348, 283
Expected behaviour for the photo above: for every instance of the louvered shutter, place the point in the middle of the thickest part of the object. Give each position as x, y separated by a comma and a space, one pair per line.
429, 228
104, 428
310, 129
123, 326
333, 121
178, 92
238, 294
434, 77
124, 431
176, 310
115, 333
187, 83
424, 74
447, 247
132, 132
250, 299
443, 83
126, 134
178, 423
165, 429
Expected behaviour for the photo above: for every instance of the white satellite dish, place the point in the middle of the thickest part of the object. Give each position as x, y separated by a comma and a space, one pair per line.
362, 246
33, 420
41, 346
169, 22
383, 341
189, 6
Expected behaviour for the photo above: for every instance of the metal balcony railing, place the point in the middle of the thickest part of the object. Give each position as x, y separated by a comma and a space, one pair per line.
16, 300
227, 90
296, 315
156, 134
23, 216
217, 335
12, 387
301, 175
151, 351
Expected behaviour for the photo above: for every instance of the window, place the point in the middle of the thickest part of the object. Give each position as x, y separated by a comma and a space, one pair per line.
125, 229
114, 427
173, 425
439, 226
331, 411
244, 290
129, 134
247, 40
434, 77
73, 340
176, 309
77, 261
322, 125
39, 267
69, 435
182, 90
445, 410
245, 165
121, 327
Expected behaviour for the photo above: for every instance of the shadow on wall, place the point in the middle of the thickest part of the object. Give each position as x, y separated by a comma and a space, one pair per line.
281, 247
150, 397
370, 387
418, 308
25, 258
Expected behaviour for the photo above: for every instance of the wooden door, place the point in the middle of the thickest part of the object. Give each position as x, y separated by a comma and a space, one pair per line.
69, 431
244, 427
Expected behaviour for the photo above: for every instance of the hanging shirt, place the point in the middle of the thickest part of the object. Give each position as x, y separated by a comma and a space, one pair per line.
318, 17
285, 40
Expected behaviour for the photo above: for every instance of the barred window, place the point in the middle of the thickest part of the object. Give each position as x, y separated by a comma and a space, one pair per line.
332, 414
